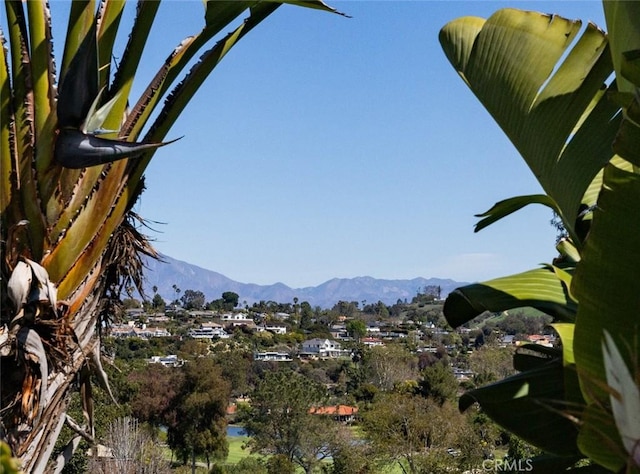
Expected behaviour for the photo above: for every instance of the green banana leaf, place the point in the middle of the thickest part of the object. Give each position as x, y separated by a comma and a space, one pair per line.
530, 404
559, 120
511, 205
540, 288
607, 283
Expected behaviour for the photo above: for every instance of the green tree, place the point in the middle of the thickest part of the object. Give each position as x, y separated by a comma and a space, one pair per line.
357, 329
417, 433
306, 315
438, 382
192, 299
156, 389
198, 424
280, 464
230, 300
157, 303
279, 420
76, 188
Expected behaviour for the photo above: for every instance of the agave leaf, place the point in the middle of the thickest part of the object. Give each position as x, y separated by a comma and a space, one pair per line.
75, 149
533, 356
79, 85
128, 67
97, 118
523, 405
103, 379
566, 333
316, 4
44, 289
42, 67
29, 342
110, 16
8, 159
544, 106
540, 288
86, 395
623, 28
19, 285
217, 16
28, 200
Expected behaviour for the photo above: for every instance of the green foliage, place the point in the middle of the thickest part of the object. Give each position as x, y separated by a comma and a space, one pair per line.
579, 136
438, 383
249, 465
418, 432
280, 464
8, 463
280, 422
193, 299
197, 423
356, 328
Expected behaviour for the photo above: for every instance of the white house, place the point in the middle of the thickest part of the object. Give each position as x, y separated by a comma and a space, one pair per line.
323, 348
209, 331
168, 361
272, 356
274, 328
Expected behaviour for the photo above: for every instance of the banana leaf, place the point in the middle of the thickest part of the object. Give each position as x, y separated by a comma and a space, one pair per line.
550, 102
530, 404
540, 288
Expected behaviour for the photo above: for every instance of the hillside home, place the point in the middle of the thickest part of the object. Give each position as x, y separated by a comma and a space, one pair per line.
272, 357
209, 331
321, 348
341, 413
274, 328
237, 319
144, 332
541, 340
168, 360
372, 341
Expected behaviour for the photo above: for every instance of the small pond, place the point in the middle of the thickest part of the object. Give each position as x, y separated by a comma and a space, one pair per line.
235, 430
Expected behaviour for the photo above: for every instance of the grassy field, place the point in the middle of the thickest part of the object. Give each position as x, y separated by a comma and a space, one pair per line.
236, 452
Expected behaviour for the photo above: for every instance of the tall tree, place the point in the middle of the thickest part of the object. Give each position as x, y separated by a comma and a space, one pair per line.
280, 422
192, 299
70, 242
198, 423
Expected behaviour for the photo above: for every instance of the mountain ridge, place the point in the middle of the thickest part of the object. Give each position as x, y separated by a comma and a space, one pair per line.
168, 272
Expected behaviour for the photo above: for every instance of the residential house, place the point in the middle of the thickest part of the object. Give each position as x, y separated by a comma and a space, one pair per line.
237, 319
341, 413
541, 340
274, 328
372, 341
209, 331
168, 361
321, 348
272, 356
143, 332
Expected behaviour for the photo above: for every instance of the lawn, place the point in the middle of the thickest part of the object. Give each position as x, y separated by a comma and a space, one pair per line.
236, 452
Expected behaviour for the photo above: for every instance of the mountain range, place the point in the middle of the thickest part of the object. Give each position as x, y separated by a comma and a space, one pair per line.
168, 272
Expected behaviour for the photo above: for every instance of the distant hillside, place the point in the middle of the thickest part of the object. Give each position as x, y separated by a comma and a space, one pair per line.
191, 277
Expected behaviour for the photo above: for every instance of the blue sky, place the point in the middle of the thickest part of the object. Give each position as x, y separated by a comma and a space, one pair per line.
326, 146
